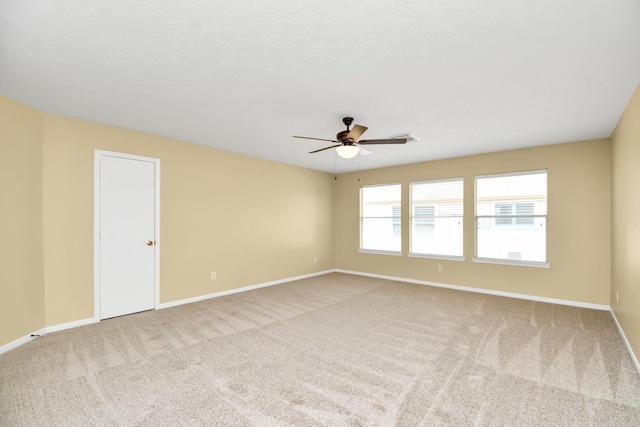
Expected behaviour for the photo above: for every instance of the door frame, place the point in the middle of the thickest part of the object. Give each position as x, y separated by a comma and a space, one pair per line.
98, 154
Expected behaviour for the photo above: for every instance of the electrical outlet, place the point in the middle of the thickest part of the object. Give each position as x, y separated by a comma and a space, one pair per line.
617, 295
213, 275
315, 259
439, 267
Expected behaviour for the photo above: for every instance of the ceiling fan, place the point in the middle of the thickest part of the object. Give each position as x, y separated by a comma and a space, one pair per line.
347, 141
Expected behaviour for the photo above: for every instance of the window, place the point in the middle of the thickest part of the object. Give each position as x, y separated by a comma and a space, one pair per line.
380, 218
436, 218
511, 218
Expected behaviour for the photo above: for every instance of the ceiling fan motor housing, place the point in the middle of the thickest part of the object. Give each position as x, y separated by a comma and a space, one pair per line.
342, 136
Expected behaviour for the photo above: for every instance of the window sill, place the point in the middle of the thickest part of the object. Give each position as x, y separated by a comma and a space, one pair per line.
434, 256
379, 252
536, 264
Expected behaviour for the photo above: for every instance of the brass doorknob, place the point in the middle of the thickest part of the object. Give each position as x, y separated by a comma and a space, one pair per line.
149, 243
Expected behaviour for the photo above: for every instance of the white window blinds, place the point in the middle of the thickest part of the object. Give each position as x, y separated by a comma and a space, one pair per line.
437, 210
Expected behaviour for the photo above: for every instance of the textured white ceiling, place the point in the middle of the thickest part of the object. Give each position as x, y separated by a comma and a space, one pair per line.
466, 76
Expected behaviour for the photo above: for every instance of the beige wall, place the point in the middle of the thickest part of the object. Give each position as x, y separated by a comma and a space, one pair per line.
21, 263
254, 221
625, 278
579, 218
250, 220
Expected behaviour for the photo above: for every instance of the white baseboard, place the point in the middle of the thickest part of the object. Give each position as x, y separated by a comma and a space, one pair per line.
70, 325
484, 291
43, 331
20, 341
238, 290
626, 342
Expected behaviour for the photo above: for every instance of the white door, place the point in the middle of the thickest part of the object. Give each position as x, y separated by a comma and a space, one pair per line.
127, 192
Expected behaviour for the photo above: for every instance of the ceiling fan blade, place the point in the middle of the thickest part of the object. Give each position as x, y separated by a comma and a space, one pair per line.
325, 148
316, 139
383, 141
363, 151
356, 132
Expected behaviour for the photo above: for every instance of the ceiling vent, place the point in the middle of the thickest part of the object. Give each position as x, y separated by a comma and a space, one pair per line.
408, 136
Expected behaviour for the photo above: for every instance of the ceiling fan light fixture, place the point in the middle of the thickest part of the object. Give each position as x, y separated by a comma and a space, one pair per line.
347, 151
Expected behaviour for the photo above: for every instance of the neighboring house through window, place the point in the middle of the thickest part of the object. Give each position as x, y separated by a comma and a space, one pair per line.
424, 221
514, 214
397, 220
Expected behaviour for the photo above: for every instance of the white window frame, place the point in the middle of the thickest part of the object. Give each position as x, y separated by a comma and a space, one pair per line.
413, 217
396, 221
525, 263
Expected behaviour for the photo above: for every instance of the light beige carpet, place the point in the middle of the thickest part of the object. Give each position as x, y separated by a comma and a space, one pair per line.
332, 350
